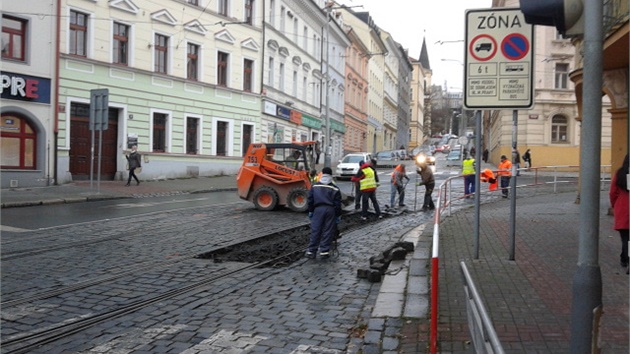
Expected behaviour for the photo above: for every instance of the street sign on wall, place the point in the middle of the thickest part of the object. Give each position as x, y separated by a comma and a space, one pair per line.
498, 66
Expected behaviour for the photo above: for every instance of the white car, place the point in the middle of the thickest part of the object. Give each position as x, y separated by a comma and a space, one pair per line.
349, 165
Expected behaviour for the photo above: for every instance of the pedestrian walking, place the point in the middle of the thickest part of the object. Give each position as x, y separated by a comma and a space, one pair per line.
484, 155
324, 211
134, 161
619, 201
527, 158
517, 161
367, 179
505, 174
427, 179
468, 170
398, 187
318, 151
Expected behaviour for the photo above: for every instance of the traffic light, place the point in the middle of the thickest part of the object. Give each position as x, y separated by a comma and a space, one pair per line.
566, 15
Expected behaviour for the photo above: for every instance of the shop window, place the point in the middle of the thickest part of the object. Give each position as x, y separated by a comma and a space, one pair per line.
13, 38
18, 143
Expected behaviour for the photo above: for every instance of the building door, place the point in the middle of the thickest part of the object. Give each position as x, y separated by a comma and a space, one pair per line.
81, 144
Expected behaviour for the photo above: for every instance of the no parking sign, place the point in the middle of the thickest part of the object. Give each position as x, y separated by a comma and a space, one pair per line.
499, 59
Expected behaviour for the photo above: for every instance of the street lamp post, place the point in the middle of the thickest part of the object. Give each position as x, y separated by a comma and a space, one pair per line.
327, 137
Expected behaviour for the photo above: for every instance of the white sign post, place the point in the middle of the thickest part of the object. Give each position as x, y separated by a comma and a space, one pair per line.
499, 59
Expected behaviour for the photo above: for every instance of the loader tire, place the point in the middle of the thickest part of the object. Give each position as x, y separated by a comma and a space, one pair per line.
297, 200
265, 198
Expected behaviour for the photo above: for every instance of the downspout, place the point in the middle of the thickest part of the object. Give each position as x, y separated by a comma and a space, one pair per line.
262, 69
56, 107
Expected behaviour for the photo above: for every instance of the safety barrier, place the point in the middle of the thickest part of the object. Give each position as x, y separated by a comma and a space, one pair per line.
484, 337
446, 199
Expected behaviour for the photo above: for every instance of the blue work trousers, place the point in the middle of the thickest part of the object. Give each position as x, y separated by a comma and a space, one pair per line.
322, 229
469, 184
396, 189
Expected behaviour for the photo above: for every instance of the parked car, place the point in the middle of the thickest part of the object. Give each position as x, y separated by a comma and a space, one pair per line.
387, 158
454, 158
349, 165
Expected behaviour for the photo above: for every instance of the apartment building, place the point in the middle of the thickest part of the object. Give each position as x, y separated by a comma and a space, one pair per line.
405, 69
183, 79
303, 80
29, 128
551, 128
356, 94
420, 92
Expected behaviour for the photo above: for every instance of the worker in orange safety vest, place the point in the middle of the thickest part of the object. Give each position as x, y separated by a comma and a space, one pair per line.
505, 174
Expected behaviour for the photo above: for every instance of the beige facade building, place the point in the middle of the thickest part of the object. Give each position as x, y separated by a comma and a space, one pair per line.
420, 122
356, 94
551, 128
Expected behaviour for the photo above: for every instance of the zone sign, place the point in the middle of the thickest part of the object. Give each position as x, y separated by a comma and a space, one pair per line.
499, 56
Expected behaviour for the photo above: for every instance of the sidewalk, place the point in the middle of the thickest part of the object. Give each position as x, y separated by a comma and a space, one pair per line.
529, 299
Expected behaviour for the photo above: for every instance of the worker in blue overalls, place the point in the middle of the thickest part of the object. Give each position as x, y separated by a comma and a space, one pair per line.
324, 210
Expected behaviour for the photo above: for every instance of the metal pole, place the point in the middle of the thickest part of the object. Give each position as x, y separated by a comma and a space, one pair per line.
513, 186
327, 138
478, 137
587, 281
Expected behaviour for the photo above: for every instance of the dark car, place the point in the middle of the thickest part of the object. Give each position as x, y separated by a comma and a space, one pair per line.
387, 159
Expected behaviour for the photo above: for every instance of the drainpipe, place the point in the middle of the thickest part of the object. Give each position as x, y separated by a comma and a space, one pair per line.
56, 98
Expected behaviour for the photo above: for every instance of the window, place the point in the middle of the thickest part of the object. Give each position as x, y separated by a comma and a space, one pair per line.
304, 88
272, 73
194, 2
159, 132
223, 7
222, 138
192, 63
249, 12
281, 79
13, 38
272, 12
18, 143
78, 33
282, 15
192, 145
559, 129
121, 44
161, 53
562, 75
222, 68
305, 39
248, 75
295, 83
295, 30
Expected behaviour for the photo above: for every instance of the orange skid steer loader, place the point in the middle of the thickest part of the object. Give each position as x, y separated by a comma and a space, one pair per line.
276, 174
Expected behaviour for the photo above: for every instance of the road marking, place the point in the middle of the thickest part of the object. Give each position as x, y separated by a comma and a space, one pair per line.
226, 341
4, 228
150, 204
134, 339
310, 349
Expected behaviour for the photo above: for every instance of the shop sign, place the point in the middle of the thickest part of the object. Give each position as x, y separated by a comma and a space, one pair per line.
311, 122
340, 127
269, 108
283, 112
24, 88
296, 117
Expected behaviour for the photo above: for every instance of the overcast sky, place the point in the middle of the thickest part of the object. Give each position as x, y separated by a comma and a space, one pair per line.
409, 21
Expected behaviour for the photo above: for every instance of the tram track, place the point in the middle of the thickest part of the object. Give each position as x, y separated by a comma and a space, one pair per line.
31, 341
